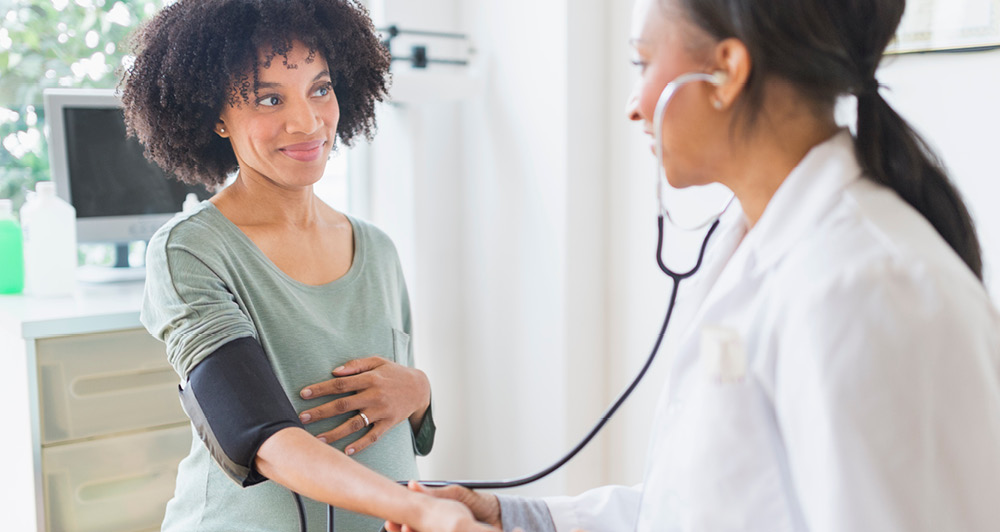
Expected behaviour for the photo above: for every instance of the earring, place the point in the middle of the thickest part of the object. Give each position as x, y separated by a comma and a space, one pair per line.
717, 103
222, 130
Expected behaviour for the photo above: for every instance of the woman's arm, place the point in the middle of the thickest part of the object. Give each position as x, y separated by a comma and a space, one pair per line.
294, 458
244, 417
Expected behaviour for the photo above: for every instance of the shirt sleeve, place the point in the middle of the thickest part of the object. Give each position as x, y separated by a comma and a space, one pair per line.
525, 514
888, 401
603, 509
423, 438
188, 306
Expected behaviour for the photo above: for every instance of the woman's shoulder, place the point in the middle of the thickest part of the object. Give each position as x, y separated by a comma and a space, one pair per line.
376, 240
198, 232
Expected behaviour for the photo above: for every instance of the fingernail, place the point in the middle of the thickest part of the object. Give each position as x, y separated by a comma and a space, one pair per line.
338, 369
322, 439
307, 393
305, 418
350, 451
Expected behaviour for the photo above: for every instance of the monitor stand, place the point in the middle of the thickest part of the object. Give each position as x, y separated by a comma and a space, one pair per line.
120, 272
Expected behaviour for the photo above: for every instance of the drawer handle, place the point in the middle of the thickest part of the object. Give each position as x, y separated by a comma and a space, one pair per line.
121, 487
123, 382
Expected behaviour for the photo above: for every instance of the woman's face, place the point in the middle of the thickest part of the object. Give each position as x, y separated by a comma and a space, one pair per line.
285, 133
662, 42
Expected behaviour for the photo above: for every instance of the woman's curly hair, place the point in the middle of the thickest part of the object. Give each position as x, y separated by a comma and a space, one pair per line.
197, 56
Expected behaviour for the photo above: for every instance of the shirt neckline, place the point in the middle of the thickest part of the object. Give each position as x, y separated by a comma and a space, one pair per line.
357, 262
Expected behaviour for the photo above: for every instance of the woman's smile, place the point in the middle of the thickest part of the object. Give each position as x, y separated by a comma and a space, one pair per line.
304, 151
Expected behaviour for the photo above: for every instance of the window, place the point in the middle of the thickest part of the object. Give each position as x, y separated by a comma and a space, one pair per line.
54, 43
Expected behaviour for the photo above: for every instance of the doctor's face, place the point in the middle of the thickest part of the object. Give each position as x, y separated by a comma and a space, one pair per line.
665, 46
284, 134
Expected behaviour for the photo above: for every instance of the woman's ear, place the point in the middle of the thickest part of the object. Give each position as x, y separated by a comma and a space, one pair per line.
732, 69
220, 129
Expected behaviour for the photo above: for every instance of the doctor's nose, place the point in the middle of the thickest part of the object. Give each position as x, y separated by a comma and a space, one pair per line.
632, 107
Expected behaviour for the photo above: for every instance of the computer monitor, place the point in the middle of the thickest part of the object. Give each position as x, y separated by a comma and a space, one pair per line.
119, 195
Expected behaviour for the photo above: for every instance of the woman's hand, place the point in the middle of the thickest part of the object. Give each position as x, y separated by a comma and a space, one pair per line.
448, 516
386, 393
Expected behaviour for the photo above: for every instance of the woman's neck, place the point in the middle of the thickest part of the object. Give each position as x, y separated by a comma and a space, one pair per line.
249, 201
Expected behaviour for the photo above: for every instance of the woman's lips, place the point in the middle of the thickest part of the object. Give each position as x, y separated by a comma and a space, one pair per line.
304, 151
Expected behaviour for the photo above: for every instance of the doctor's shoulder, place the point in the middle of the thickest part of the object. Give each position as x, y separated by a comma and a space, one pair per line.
874, 255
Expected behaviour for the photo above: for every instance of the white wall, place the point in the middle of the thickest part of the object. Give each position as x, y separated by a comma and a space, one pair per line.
504, 238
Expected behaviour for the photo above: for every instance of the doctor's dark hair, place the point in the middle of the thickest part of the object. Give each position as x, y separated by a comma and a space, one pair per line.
828, 49
196, 56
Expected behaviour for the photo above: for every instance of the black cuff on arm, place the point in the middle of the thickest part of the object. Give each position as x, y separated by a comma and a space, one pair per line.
236, 403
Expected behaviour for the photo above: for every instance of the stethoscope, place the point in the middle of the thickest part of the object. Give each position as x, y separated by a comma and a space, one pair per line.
713, 223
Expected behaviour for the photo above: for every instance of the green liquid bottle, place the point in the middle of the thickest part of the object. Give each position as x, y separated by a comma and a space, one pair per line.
11, 251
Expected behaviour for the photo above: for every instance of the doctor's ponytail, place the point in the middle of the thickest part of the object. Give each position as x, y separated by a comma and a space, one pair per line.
893, 155
829, 49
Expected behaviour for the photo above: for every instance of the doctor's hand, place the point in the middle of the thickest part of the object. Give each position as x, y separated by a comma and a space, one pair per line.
484, 506
443, 520
386, 393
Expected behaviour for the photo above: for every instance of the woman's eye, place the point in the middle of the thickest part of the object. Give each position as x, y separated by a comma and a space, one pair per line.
640, 64
323, 91
269, 101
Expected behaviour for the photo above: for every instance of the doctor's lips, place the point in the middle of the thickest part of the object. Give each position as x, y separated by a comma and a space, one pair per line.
304, 151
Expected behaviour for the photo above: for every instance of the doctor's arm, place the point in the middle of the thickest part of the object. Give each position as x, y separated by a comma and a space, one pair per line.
888, 404
603, 509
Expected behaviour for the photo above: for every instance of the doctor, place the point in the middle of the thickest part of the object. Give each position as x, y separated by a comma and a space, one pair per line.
841, 372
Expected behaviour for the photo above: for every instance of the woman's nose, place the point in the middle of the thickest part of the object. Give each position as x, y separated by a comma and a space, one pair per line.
302, 118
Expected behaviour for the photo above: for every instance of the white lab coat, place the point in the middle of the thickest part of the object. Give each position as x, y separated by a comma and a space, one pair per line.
840, 374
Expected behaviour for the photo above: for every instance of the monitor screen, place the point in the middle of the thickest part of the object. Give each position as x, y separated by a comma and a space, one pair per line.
118, 194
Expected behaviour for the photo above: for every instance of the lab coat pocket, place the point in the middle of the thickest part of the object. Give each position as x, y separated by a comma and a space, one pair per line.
401, 348
722, 354
725, 396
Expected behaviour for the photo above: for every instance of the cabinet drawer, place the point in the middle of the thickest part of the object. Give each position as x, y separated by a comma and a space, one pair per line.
113, 484
98, 384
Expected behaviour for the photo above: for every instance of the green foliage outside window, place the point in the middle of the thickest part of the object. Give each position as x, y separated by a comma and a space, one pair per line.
54, 43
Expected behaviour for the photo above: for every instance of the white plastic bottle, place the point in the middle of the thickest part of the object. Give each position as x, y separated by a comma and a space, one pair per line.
50, 254
191, 202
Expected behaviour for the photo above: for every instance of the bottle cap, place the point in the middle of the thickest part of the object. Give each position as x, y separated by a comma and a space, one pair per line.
190, 202
6, 208
45, 189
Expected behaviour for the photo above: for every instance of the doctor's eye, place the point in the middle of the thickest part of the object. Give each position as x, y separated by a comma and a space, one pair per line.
640, 64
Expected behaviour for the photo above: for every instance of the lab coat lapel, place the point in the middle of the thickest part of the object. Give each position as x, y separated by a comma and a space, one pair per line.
806, 197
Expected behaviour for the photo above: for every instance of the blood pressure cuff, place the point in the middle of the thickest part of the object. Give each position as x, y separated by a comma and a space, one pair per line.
236, 403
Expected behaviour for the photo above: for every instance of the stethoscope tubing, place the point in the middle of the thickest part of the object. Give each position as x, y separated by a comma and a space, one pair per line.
677, 278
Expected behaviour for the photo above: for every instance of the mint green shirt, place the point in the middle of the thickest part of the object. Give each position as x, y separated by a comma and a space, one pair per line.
208, 284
